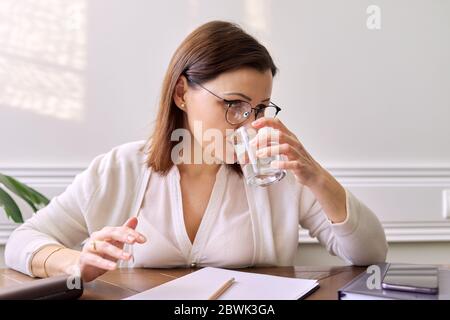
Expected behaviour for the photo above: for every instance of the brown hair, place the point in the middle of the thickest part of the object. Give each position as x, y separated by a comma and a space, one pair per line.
210, 50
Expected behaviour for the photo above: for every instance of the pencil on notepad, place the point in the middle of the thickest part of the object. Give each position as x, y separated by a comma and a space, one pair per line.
221, 290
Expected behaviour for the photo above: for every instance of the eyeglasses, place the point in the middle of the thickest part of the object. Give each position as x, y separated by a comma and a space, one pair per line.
238, 111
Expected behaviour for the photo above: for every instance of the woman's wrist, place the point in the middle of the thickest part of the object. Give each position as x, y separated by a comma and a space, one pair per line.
54, 260
40, 259
331, 195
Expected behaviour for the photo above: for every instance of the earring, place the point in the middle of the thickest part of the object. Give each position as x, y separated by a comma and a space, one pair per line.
183, 106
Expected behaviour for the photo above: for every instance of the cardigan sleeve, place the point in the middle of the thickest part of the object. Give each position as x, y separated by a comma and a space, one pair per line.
359, 240
61, 222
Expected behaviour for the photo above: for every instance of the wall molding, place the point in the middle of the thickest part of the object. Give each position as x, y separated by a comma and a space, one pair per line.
44, 174
392, 176
56, 178
398, 232
5, 230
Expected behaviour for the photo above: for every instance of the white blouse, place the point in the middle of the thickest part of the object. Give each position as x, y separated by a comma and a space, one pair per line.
224, 237
243, 225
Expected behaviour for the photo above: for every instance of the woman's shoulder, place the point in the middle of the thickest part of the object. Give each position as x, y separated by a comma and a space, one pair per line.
129, 151
123, 162
127, 155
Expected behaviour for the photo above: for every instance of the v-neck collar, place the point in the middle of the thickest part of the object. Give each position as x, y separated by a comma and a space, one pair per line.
191, 250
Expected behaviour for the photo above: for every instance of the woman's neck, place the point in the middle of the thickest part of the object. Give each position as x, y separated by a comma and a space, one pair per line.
197, 170
193, 168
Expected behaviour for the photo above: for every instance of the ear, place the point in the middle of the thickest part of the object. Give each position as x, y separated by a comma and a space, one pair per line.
180, 92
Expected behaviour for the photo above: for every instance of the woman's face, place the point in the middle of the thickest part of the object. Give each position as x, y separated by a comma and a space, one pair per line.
205, 113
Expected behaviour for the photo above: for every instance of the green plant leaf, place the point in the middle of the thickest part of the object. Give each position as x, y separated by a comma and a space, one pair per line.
10, 206
34, 199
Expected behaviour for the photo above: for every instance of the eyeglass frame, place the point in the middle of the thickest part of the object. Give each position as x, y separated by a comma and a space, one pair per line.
228, 103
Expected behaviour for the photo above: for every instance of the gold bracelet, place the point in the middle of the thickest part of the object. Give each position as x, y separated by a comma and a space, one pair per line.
45, 261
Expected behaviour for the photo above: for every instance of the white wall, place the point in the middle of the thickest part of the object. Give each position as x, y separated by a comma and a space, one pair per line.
79, 77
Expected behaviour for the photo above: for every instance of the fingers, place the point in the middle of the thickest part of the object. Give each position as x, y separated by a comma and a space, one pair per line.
104, 248
270, 122
279, 149
91, 259
267, 136
122, 234
131, 223
285, 165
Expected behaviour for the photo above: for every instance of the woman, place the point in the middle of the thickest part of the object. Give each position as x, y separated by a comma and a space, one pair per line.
173, 213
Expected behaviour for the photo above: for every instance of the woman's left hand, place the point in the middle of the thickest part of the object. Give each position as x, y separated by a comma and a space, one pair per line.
305, 168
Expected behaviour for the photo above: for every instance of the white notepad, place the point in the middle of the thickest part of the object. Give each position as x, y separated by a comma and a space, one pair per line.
200, 285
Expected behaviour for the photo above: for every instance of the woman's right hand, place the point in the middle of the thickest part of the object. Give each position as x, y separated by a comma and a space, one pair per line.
105, 247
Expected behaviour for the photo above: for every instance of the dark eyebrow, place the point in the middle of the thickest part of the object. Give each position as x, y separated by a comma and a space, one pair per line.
243, 96
238, 94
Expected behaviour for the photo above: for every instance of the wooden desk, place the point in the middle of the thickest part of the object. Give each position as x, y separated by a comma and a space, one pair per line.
123, 283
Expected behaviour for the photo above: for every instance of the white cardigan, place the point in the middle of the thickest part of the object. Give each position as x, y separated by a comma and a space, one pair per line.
112, 189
